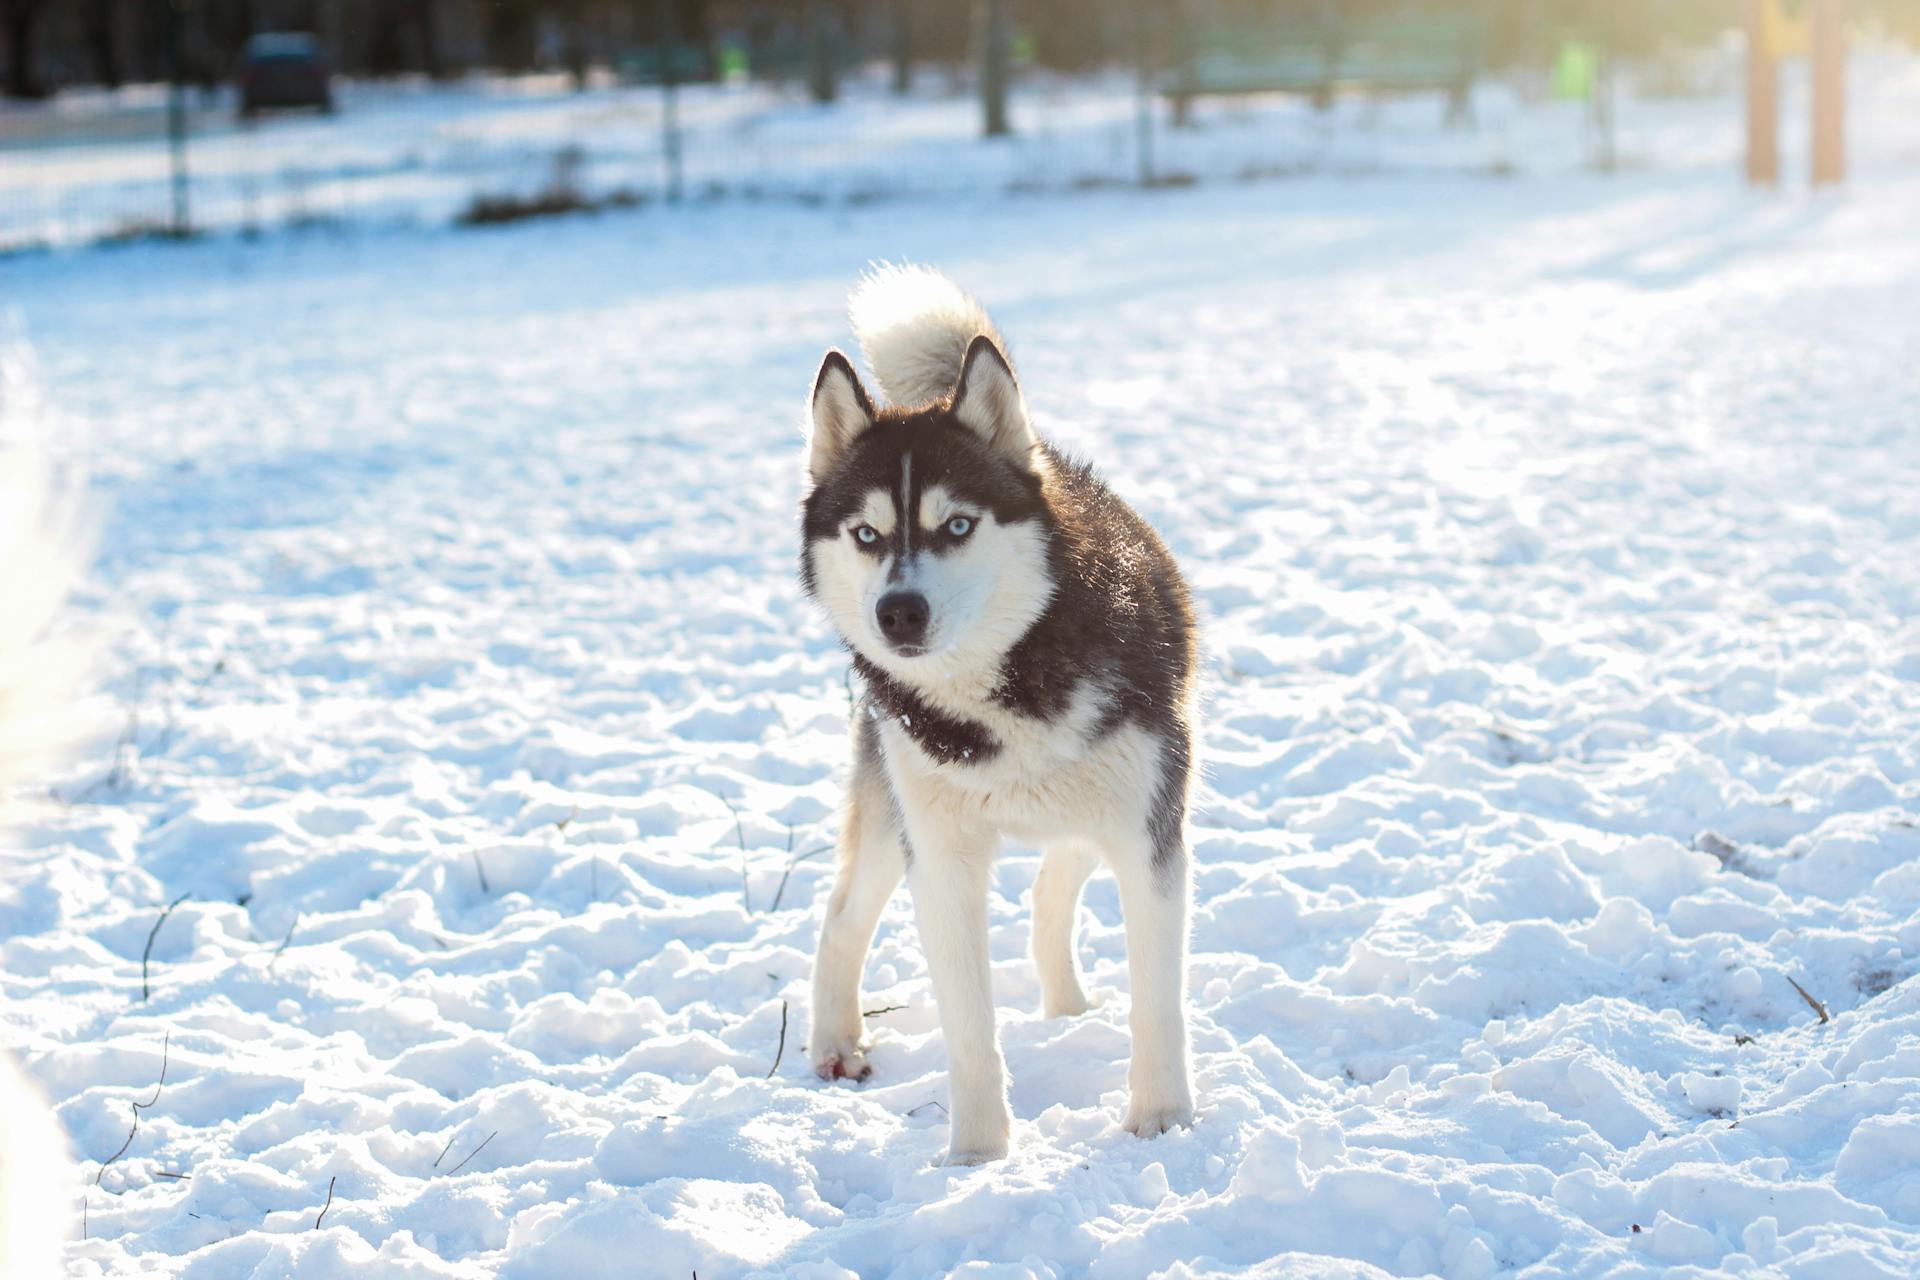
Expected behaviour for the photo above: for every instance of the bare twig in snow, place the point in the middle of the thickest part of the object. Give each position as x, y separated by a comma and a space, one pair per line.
471, 1154
284, 941
1814, 1004
481, 871
125, 748
151, 935
930, 1103
798, 858
780, 1052
328, 1205
443, 1153
166, 1047
740, 835
874, 1013
123, 751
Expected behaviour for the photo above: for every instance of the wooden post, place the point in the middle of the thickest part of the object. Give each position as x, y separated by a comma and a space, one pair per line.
1829, 92
1763, 102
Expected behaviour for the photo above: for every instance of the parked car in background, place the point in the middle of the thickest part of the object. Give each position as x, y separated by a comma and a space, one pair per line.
284, 69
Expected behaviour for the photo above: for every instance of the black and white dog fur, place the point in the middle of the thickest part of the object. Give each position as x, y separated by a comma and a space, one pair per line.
1026, 651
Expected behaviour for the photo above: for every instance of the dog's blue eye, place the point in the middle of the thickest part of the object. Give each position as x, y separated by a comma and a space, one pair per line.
959, 526
866, 533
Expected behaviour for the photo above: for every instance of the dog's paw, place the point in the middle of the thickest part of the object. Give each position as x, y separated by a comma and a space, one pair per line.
1071, 1005
846, 1061
981, 1135
962, 1157
1149, 1120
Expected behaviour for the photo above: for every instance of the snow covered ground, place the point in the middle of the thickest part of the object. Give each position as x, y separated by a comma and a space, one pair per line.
1560, 556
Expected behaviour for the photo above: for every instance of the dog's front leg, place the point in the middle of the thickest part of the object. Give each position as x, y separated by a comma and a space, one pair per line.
870, 869
947, 874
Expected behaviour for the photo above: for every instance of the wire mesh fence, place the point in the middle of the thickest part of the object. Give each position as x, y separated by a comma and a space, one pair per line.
93, 165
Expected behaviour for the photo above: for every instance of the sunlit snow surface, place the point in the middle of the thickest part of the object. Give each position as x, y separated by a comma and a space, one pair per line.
1559, 550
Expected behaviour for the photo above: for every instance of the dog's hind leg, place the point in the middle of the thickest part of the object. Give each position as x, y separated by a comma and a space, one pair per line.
948, 877
1154, 899
1064, 869
872, 860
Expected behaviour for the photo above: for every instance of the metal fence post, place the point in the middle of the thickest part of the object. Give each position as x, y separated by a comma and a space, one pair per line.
996, 39
1606, 152
177, 113
823, 53
1143, 126
900, 39
669, 96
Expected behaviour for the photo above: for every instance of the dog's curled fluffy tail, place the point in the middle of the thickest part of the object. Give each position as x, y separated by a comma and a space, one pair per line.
914, 326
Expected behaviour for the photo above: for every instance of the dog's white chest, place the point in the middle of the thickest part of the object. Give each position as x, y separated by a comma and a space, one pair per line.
1049, 777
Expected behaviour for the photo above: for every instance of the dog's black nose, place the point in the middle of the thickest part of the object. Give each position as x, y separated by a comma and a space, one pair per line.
903, 618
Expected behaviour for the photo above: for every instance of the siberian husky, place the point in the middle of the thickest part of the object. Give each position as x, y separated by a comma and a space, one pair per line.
1025, 649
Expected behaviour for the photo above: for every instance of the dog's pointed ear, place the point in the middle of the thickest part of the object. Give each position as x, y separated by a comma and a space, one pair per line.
987, 402
839, 413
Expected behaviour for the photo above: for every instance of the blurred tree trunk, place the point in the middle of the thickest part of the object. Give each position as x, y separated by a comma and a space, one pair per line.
426, 26
511, 35
1829, 57
1763, 104
1069, 35
996, 53
217, 31
385, 34
98, 20
21, 17
574, 42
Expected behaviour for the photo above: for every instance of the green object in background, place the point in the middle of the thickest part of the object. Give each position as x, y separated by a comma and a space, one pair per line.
733, 62
1575, 70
